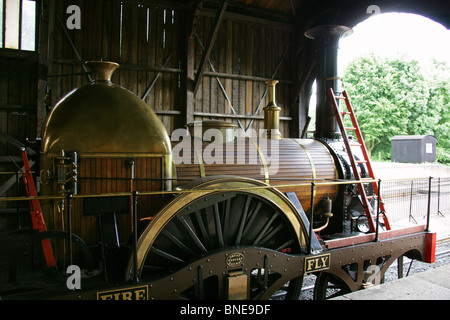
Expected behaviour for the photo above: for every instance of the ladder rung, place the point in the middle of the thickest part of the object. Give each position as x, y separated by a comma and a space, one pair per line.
358, 143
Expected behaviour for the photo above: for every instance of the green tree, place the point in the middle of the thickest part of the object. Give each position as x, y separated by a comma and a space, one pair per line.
393, 97
439, 78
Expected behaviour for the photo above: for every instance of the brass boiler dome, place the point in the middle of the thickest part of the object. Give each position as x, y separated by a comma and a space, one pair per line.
102, 117
113, 143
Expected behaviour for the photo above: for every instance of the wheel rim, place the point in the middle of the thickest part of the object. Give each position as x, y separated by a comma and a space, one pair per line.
196, 225
329, 286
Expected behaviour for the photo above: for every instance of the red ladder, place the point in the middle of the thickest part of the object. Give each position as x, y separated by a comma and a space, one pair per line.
37, 218
354, 163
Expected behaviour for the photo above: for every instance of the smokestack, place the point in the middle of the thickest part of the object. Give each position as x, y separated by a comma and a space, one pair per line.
327, 38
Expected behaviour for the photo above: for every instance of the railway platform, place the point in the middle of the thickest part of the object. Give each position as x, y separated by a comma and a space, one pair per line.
433, 284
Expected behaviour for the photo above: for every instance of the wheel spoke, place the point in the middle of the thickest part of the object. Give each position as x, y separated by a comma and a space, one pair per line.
218, 225
285, 245
243, 219
177, 242
271, 234
264, 230
202, 228
192, 234
166, 255
226, 220
252, 217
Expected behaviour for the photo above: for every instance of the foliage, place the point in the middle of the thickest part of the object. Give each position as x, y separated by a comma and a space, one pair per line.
395, 97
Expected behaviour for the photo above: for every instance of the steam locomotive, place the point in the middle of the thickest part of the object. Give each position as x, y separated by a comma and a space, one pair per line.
205, 215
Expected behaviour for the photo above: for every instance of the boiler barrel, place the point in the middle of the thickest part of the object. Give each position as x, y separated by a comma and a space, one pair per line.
276, 162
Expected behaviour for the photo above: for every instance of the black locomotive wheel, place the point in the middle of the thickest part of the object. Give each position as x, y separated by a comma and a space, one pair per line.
329, 286
222, 221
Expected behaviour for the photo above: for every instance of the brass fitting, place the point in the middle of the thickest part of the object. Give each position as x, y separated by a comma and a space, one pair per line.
272, 114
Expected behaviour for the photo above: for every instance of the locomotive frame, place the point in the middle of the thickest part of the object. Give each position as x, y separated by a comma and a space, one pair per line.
229, 233
251, 272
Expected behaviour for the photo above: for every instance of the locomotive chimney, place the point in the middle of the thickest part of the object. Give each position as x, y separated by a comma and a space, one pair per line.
272, 114
101, 70
327, 38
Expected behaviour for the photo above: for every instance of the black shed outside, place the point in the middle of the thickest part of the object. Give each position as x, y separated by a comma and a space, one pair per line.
413, 149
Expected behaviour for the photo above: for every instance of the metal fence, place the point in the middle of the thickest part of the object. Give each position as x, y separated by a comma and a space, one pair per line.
410, 200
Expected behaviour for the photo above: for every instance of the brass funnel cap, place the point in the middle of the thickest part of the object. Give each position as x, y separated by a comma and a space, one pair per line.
101, 70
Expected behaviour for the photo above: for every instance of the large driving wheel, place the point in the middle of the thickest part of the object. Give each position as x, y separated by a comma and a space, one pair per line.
222, 215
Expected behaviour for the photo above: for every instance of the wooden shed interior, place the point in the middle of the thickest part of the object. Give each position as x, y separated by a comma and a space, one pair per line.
187, 59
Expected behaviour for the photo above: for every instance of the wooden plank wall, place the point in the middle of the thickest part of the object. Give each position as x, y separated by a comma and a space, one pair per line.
138, 37
17, 103
143, 38
18, 121
246, 55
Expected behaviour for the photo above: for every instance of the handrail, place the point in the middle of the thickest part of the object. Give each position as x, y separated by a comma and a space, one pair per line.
179, 190
317, 182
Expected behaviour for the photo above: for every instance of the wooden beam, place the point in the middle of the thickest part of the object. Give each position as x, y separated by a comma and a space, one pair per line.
266, 90
242, 77
12, 180
88, 74
13, 141
45, 49
235, 116
195, 16
283, 24
207, 53
156, 77
230, 105
123, 66
19, 66
189, 80
250, 10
